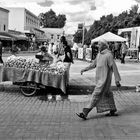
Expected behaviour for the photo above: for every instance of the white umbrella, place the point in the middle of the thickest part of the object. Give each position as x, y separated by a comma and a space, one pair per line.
109, 37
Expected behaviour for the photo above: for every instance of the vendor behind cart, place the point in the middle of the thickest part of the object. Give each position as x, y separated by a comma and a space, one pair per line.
14, 52
44, 57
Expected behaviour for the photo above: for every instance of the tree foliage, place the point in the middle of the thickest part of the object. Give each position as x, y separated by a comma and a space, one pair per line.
78, 36
51, 20
126, 19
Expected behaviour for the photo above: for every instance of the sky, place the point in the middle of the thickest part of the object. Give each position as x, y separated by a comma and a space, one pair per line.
76, 11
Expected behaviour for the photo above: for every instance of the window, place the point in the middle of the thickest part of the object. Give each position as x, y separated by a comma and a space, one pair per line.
4, 27
58, 36
52, 36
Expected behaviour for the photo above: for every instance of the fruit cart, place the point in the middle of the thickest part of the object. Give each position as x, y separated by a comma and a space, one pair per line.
31, 77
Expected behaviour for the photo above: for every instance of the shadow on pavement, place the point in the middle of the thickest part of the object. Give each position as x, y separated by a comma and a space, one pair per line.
84, 89
71, 89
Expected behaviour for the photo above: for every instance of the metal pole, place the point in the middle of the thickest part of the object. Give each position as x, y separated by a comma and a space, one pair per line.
83, 34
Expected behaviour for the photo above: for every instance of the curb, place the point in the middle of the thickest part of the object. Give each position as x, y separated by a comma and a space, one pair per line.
71, 90
84, 89
9, 87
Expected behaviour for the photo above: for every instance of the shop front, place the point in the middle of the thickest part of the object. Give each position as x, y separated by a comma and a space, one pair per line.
133, 40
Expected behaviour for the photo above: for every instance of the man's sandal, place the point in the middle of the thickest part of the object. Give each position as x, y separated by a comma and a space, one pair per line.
111, 114
81, 115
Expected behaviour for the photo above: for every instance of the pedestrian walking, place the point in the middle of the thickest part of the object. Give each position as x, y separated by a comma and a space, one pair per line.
124, 50
102, 97
1, 61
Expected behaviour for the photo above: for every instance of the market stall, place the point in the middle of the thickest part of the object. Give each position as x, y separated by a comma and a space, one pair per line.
31, 76
109, 37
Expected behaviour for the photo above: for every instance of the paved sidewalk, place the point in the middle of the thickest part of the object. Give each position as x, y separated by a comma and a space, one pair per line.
29, 118
36, 118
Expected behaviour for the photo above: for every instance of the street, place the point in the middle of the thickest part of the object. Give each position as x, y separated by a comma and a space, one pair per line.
30, 118
130, 74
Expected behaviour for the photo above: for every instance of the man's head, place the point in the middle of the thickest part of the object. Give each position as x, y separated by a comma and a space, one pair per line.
124, 42
102, 45
43, 49
14, 49
63, 40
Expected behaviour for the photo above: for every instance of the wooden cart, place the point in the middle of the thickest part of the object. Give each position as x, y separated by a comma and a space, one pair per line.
32, 80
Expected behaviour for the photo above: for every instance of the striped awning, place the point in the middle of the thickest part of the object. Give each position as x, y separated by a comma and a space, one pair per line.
2, 37
14, 36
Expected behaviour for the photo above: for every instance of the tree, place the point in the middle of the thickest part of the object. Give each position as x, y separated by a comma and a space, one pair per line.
130, 18
134, 9
78, 36
51, 20
61, 20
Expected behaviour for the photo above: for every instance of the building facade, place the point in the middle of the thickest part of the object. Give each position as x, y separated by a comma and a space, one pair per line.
53, 34
132, 35
4, 15
24, 21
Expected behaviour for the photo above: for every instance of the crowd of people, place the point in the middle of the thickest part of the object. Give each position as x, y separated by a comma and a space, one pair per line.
118, 50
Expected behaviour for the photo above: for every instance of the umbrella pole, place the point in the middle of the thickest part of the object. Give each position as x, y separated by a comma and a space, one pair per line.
12, 44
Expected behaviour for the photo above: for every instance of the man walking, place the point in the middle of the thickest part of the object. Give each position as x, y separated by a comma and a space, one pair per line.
102, 97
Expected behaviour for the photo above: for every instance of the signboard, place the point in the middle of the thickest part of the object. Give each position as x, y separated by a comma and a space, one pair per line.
133, 38
88, 54
80, 26
80, 53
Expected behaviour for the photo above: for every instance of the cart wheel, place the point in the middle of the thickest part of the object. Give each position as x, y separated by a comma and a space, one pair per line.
28, 89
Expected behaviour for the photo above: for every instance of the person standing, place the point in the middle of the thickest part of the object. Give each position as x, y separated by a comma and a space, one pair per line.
139, 52
68, 58
102, 97
124, 49
1, 61
115, 50
94, 51
75, 50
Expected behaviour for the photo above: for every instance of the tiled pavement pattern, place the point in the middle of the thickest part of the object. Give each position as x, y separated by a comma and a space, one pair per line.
30, 118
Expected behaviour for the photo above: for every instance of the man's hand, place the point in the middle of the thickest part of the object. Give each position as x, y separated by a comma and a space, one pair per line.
82, 71
118, 84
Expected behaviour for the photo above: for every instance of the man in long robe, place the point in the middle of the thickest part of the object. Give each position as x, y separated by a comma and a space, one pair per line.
102, 97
